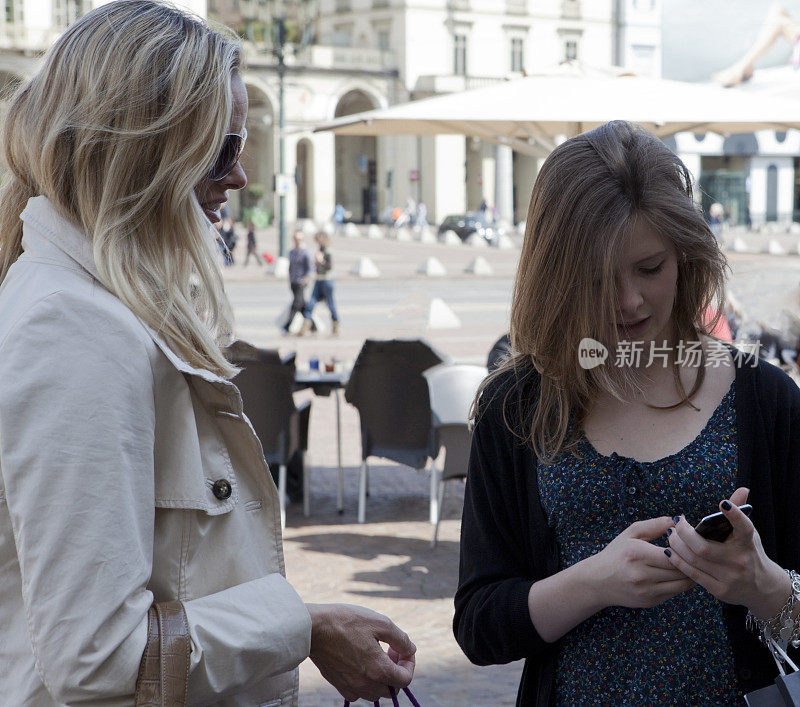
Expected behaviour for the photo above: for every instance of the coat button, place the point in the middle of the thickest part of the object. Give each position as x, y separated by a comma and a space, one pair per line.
222, 489
745, 673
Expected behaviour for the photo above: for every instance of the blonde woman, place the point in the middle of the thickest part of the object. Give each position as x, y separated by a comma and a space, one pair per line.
618, 425
129, 476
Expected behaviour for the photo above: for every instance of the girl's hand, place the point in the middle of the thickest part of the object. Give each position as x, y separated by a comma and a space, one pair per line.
736, 571
630, 571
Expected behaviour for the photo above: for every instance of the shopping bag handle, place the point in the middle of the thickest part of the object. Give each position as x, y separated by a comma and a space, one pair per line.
393, 694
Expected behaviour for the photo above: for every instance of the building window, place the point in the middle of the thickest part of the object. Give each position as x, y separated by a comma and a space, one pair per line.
383, 40
14, 11
570, 49
517, 54
571, 9
343, 6
460, 54
342, 35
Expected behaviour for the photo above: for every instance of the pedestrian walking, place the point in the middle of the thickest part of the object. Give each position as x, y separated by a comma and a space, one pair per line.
339, 215
323, 285
251, 244
716, 216
301, 268
140, 541
591, 466
422, 215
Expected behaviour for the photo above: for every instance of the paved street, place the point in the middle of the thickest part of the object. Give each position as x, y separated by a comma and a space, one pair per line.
387, 563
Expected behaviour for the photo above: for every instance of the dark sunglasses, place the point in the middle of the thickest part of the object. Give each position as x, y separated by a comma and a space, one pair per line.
229, 155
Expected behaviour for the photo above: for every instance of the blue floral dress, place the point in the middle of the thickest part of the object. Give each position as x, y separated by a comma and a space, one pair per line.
677, 653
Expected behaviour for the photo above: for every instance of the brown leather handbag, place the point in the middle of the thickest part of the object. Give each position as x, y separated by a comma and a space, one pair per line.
164, 671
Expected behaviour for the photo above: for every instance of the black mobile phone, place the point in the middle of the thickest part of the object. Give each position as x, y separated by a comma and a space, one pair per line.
717, 526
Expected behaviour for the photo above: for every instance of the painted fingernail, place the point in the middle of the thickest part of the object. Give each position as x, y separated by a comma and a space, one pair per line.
669, 531
676, 519
668, 552
726, 505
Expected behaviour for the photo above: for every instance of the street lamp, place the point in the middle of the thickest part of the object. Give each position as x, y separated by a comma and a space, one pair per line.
292, 30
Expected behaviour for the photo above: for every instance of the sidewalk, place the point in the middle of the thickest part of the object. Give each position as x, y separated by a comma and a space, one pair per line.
386, 564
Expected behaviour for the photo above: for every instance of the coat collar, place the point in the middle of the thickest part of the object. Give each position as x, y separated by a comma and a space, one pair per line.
48, 234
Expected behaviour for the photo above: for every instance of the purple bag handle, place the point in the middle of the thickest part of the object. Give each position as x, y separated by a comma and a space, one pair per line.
395, 703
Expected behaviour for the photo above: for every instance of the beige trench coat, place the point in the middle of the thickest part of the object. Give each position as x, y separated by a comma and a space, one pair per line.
109, 449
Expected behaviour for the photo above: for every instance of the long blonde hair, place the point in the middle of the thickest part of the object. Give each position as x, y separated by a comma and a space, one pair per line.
586, 201
124, 118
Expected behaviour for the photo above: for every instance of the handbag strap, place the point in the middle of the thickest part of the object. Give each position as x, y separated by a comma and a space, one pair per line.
393, 694
163, 678
780, 656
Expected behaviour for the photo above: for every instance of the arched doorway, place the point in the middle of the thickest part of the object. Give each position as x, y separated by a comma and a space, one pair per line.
258, 158
356, 163
304, 177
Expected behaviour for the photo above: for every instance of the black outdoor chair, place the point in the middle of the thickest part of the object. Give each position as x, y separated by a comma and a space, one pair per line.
266, 383
387, 388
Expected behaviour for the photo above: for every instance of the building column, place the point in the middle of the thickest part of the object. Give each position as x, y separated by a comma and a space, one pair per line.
324, 177
693, 162
504, 183
758, 190
444, 188
785, 189
290, 165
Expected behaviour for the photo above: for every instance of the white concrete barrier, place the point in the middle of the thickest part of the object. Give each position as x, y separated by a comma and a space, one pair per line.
365, 268
479, 266
451, 238
440, 316
476, 241
307, 226
402, 234
426, 235
375, 231
503, 242
280, 268
739, 245
351, 230
432, 267
775, 248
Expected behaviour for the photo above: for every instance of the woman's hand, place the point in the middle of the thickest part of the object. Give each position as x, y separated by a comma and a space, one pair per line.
345, 647
736, 571
630, 571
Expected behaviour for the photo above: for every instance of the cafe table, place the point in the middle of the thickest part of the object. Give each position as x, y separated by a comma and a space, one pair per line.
323, 383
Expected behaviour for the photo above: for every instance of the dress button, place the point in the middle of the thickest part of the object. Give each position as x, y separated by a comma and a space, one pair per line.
222, 489
745, 673
631, 490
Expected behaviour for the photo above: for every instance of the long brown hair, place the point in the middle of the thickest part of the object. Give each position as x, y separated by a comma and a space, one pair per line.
589, 194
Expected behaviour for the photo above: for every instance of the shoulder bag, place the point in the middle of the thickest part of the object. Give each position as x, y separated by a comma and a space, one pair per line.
163, 679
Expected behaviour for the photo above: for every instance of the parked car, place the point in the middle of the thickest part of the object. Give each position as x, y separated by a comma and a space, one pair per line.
464, 225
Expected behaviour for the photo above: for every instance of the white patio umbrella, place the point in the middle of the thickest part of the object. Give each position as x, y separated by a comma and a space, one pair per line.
528, 113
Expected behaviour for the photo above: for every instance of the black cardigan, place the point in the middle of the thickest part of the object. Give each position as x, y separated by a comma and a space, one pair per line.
506, 544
